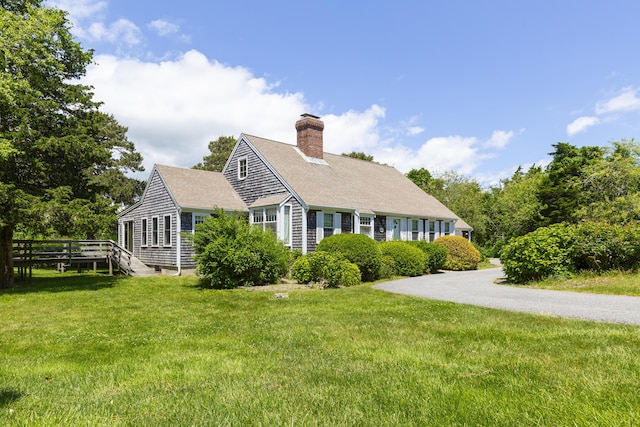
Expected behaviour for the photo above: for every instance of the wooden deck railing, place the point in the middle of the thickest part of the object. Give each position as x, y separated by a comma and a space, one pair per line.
27, 253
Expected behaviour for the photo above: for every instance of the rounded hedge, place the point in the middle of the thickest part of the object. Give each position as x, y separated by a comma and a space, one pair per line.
329, 269
436, 255
461, 254
407, 259
358, 249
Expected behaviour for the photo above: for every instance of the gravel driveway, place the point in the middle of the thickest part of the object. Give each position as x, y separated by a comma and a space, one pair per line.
478, 288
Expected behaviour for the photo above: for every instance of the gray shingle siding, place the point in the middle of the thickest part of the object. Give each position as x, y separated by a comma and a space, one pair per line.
186, 249
156, 203
296, 224
311, 231
260, 180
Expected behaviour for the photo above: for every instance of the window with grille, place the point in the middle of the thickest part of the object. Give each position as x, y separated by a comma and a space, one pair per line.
242, 168
271, 219
366, 225
447, 228
155, 231
167, 230
415, 230
144, 232
328, 225
432, 231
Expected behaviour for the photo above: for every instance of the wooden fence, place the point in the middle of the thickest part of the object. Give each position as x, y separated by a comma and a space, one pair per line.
64, 253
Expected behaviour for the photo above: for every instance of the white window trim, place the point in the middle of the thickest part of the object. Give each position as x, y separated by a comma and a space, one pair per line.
357, 225
246, 172
164, 231
337, 224
204, 215
144, 232
410, 229
282, 225
155, 239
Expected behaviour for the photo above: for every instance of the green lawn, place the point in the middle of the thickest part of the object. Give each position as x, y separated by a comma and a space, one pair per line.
612, 283
84, 350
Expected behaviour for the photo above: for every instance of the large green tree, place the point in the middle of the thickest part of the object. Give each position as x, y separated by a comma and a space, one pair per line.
219, 151
562, 191
612, 185
55, 143
514, 207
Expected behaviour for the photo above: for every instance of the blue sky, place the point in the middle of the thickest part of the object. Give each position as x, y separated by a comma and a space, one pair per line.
475, 87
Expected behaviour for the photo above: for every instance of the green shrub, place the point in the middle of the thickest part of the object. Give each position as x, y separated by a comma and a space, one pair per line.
231, 253
357, 248
301, 270
461, 254
386, 267
407, 259
329, 269
542, 253
436, 255
600, 246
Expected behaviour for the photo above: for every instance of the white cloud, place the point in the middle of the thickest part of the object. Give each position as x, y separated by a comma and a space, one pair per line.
454, 152
122, 31
627, 100
163, 28
353, 131
414, 130
174, 108
581, 124
80, 9
499, 139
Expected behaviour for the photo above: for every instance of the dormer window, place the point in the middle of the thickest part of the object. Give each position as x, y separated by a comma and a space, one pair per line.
242, 168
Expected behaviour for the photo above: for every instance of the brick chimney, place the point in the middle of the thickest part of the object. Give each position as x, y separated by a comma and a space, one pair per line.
310, 135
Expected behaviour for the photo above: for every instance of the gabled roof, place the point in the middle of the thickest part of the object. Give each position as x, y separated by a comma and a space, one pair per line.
198, 189
342, 182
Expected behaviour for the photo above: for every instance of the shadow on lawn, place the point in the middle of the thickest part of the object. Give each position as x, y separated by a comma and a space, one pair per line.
8, 396
62, 282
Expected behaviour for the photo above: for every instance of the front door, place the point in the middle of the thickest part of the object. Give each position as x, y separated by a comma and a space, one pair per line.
128, 236
396, 229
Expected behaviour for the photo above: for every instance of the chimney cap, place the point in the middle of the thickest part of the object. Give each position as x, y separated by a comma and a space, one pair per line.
309, 115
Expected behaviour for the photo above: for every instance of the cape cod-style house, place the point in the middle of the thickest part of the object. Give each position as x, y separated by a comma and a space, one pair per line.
300, 192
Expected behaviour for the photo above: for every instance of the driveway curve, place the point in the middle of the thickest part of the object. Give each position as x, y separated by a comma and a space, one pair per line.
478, 288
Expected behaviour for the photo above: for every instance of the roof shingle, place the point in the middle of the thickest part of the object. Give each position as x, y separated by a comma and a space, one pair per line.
342, 182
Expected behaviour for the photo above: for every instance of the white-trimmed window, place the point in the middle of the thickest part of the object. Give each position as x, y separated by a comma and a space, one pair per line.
144, 239
198, 218
266, 218
447, 228
366, 226
271, 219
167, 230
415, 229
276, 219
243, 169
155, 231
432, 231
327, 224
258, 217
286, 225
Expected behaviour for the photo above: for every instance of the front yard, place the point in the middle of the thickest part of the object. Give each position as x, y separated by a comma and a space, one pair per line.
94, 350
